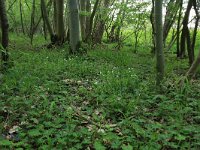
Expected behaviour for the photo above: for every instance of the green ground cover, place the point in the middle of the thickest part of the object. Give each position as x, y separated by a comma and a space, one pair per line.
106, 99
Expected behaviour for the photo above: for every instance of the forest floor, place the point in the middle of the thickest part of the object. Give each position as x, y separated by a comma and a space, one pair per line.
106, 99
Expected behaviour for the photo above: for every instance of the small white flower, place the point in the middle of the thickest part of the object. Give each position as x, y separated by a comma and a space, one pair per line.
101, 131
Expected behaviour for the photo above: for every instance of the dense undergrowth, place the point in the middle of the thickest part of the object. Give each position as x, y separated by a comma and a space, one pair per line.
106, 99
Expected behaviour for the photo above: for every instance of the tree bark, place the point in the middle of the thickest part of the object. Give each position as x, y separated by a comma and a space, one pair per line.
55, 16
46, 18
21, 16
152, 20
191, 72
4, 28
74, 27
170, 17
60, 21
98, 34
123, 13
178, 28
185, 36
88, 9
32, 21
196, 26
160, 65
83, 17
88, 37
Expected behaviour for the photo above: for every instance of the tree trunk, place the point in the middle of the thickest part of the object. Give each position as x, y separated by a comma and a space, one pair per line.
4, 28
98, 34
60, 21
21, 16
152, 20
74, 26
170, 17
88, 37
159, 41
83, 17
87, 28
55, 16
196, 26
123, 13
194, 67
46, 19
178, 28
185, 35
32, 21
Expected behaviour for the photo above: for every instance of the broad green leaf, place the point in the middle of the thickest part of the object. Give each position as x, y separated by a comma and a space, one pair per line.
180, 137
99, 146
34, 132
127, 147
5, 143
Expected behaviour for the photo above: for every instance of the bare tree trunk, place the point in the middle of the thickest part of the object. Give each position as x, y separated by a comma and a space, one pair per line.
74, 26
55, 16
170, 17
153, 51
196, 25
46, 19
185, 35
21, 16
83, 17
32, 22
98, 33
87, 28
4, 28
194, 67
159, 42
60, 22
88, 36
178, 28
